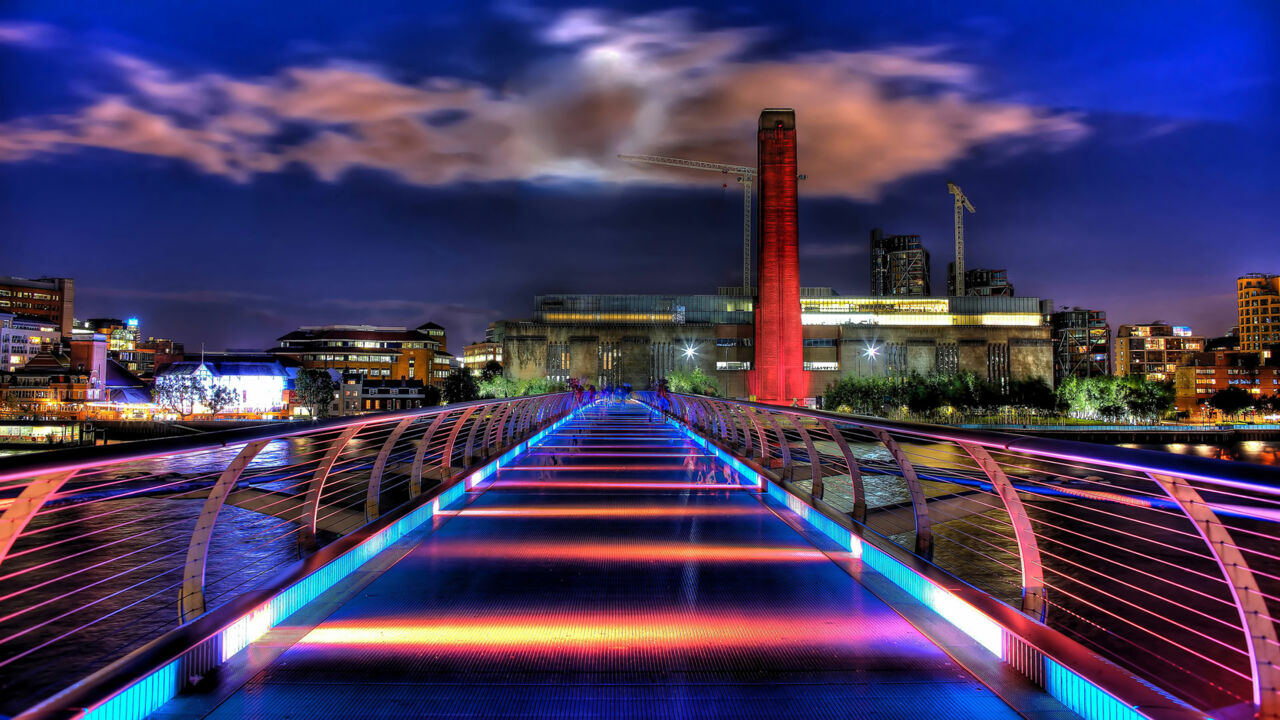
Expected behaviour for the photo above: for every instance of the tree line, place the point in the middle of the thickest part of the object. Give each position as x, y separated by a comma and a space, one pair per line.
935, 396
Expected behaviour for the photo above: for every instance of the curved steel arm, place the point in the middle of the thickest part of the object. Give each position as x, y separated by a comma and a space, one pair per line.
315, 488
374, 495
1028, 547
815, 461
446, 460
919, 504
191, 596
783, 448
856, 488
415, 475
24, 507
1259, 628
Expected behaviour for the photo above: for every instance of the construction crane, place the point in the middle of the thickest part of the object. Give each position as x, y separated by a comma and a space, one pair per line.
746, 177
962, 204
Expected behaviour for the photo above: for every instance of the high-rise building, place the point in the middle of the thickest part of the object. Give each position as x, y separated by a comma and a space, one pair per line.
899, 265
50, 299
779, 374
1081, 343
980, 281
1258, 303
1154, 351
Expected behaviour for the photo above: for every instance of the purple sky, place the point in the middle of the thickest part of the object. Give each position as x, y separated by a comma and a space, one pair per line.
226, 173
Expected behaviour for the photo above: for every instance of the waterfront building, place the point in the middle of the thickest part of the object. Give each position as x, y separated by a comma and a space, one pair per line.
899, 265
48, 299
258, 383
1155, 350
980, 281
394, 353
23, 338
1204, 373
1081, 343
1258, 308
362, 394
57, 383
639, 339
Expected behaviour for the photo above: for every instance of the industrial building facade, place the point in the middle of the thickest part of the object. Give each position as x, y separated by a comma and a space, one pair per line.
638, 339
1081, 343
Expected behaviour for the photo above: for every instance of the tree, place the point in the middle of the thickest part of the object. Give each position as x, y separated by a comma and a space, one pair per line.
314, 390
491, 370
497, 387
180, 394
459, 386
695, 382
218, 398
1231, 401
430, 396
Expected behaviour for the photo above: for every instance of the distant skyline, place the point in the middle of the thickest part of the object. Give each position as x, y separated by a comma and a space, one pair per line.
229, 172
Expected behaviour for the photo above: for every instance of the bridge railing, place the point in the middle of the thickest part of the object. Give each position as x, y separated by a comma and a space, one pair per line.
1166, 565
104, 549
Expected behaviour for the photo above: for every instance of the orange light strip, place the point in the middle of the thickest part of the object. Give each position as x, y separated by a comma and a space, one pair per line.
599, 632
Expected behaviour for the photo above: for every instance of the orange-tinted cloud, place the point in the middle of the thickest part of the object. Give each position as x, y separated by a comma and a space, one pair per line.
649, 84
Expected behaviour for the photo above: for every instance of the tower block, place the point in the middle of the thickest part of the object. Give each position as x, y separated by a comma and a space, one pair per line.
778, 376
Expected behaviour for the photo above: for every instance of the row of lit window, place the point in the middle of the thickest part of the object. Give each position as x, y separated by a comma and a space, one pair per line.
922, 319
609, 317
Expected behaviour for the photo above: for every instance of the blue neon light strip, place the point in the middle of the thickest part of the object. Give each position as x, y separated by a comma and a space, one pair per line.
1083, 697
145, 695
1069, 688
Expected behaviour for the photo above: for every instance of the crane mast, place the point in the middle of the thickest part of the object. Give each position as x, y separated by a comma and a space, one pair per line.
961, 204
745, 176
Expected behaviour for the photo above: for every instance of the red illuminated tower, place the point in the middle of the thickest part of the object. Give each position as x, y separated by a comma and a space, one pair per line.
778, 376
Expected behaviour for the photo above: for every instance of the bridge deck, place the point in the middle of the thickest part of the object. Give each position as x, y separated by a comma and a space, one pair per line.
606, 576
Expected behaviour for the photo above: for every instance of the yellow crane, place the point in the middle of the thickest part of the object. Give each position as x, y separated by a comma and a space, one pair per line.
962, 204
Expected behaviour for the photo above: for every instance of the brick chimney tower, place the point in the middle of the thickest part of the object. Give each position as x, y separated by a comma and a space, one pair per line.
778, 376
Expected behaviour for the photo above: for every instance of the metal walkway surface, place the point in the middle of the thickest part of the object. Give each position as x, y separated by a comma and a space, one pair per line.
614, 572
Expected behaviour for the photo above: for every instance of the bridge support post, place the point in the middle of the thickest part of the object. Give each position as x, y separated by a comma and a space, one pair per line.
919, 504
191, 595
859, 514
1028, 548
1251, 606
315, 488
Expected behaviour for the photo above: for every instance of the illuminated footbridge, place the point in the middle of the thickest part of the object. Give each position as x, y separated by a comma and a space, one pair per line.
665, 557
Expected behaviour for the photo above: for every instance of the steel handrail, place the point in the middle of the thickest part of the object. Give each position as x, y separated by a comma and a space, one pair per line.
1091, 551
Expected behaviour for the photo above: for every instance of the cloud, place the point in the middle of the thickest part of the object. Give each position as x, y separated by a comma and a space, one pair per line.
27, 34
647, 84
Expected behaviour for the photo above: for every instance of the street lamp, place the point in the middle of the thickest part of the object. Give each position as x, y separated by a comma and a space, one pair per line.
871, 352
690, 351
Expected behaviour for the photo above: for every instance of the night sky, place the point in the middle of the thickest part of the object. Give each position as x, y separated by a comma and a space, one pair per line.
229, 170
